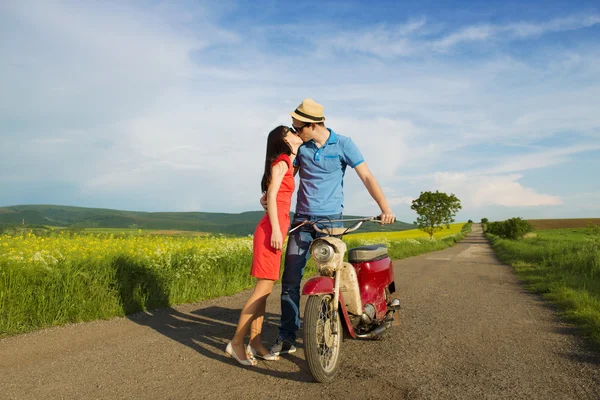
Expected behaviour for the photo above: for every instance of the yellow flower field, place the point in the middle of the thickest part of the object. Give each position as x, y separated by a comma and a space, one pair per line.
409, 234
31, 251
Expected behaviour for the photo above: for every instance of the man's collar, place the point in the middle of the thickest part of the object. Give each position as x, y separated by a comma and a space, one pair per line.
333, 137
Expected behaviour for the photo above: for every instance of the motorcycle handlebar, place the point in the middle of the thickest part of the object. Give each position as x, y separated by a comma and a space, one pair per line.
336, 231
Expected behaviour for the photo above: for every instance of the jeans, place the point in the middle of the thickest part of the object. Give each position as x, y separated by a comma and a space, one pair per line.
296, 257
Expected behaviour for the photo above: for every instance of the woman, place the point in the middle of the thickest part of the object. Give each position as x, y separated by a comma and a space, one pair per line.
278, 183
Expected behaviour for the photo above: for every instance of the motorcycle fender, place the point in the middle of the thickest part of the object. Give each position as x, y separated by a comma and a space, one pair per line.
318, 285
324, 285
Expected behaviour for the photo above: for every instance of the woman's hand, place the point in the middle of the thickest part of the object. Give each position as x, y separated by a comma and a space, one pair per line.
277, 240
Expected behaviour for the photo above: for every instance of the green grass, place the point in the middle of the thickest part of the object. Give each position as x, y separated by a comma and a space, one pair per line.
53, 280
564, 266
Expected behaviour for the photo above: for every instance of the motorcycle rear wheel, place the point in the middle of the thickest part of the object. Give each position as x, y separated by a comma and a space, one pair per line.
321, 346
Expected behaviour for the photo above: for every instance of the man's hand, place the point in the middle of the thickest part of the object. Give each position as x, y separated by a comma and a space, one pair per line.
387, 217
263, 201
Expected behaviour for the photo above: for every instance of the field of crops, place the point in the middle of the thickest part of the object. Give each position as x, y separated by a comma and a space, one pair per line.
66, 277
542, 224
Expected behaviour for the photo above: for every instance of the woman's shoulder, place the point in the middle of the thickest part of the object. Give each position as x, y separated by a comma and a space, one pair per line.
285, 158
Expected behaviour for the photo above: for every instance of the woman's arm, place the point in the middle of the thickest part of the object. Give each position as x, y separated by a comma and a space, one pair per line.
277, 173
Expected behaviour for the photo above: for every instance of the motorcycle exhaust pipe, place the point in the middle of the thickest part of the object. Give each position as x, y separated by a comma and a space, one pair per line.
375, 333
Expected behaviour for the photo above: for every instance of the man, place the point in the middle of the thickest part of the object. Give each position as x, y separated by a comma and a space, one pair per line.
321, 162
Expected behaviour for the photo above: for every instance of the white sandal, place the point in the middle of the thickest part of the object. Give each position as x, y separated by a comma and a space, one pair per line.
268, 357
249, 362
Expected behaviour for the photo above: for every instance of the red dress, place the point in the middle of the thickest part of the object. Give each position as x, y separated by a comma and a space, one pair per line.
266, 261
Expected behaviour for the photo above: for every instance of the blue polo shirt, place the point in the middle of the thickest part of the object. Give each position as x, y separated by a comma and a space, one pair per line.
321, 189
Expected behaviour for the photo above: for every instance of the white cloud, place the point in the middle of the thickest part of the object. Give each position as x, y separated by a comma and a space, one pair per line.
400, 201
383, 142
526, 29
383, 41
416, 36
469, 34
107, 61
518, 30
489, 190
539, 159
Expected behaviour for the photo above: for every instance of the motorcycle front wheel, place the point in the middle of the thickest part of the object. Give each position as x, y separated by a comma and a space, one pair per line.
321, 346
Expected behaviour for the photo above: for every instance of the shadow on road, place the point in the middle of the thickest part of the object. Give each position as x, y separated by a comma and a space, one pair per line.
586, 351
138, 286
208, 330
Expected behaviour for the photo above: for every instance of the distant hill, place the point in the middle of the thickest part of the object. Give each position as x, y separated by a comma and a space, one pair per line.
80, 217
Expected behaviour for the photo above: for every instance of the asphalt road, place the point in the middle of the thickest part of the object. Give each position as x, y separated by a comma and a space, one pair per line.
468, 330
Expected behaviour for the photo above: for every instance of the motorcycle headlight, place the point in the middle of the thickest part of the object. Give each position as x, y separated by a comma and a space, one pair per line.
322, 252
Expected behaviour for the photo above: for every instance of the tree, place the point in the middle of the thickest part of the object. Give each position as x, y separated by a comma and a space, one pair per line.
484, 220
513, 228
435, 210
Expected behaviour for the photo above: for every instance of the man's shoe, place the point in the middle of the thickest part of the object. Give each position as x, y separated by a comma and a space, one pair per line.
282, 346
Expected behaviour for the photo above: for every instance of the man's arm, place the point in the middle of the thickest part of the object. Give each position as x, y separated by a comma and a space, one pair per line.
387, 215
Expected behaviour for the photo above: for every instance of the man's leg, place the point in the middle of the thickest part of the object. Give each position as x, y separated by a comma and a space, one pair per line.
296, 257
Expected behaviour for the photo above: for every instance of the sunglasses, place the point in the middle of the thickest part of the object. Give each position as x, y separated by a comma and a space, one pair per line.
296, 129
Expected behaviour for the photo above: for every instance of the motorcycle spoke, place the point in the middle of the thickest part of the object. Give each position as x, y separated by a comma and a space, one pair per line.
326, 353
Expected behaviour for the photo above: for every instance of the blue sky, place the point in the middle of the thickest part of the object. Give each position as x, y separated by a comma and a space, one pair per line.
165, 106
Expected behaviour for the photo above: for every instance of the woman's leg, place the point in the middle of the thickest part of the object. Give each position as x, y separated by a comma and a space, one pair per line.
256, 327
254, 306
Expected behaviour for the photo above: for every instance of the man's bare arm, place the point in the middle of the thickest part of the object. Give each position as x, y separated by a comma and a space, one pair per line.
387, 215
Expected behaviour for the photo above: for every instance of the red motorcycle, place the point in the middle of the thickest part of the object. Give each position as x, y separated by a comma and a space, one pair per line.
355, 296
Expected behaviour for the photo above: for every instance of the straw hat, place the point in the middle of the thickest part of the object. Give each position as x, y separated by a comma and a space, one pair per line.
309, 111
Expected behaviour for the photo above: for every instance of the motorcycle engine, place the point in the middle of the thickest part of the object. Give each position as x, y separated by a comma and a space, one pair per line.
368, 315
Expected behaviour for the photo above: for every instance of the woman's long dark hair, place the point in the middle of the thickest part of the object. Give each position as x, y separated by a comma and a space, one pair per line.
276, 146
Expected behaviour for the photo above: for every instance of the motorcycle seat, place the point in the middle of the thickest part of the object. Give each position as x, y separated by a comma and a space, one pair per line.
367, 253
